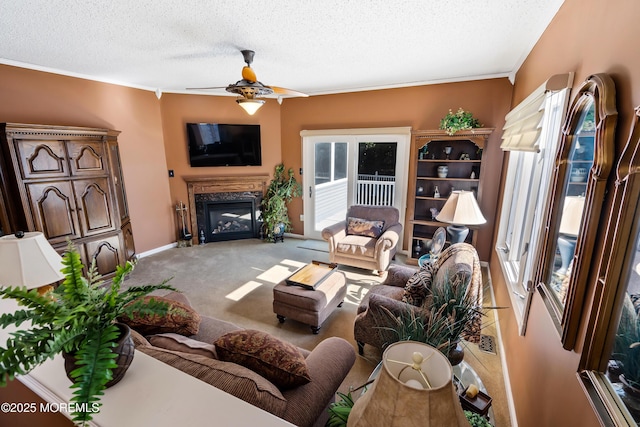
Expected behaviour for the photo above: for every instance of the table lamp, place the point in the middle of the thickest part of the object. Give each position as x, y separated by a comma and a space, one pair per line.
28, 260
460, 210
569, 229
414, 388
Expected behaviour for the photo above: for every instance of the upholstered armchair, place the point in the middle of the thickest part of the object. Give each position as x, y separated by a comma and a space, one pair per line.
373, 323
367, 238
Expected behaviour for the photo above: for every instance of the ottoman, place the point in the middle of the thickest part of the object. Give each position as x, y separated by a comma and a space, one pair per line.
311, 307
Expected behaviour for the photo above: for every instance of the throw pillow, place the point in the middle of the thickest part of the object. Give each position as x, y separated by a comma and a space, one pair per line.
180, 319
364, 227
184, 344
277, 361
418, 286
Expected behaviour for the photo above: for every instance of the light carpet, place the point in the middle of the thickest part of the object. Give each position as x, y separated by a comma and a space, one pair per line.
234, 281
315, 245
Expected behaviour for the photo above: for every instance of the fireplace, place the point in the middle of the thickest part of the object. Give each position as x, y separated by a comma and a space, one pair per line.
223, 207
229, 220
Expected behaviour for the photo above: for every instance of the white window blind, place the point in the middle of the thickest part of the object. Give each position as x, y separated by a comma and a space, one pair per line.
523, 124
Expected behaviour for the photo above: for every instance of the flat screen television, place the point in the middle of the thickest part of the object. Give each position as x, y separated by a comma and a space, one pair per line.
214, 144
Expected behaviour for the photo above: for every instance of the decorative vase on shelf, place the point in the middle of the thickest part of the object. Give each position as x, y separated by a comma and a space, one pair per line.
436, 192
443, 171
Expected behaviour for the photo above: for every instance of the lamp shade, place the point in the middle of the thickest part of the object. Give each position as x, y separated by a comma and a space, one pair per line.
571, 215
28, 261
393, 400
461, 208
250, 105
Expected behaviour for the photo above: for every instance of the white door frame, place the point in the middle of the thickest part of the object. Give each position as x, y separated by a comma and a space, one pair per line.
401, 135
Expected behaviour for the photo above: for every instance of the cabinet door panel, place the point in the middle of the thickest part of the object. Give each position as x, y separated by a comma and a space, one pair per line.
118, 182
87, 157
53, 209
129, 245
107, 253
41, 159
94, 205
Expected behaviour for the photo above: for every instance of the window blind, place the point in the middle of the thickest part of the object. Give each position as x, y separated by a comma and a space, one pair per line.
523, 124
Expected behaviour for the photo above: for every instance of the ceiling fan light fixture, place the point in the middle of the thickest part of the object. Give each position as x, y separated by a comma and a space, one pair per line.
250, 105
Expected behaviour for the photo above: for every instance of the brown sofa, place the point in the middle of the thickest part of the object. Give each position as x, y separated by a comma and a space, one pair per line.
459, 258
306, 405
362, 251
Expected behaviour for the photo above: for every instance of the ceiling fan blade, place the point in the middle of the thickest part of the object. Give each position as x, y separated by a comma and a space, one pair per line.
285, 91
206, 88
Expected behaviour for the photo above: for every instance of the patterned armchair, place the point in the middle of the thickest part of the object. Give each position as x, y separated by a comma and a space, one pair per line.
367, 238
402, 281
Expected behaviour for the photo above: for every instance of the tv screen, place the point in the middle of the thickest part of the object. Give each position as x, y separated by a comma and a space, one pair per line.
213, 144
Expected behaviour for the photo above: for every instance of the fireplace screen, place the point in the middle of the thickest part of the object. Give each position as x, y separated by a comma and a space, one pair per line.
230, 220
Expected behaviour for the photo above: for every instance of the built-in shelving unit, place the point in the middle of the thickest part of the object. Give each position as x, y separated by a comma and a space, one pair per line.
428, 189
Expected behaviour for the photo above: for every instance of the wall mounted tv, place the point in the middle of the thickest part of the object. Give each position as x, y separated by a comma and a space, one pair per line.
213, 144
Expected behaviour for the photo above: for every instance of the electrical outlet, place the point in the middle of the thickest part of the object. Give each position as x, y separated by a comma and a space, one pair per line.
301, 217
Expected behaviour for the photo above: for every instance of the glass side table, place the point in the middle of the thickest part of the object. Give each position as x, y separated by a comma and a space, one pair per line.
464, 374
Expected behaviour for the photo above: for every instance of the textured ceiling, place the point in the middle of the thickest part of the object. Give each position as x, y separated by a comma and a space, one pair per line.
314, 46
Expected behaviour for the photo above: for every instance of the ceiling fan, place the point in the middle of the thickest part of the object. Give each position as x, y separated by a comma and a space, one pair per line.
250, 89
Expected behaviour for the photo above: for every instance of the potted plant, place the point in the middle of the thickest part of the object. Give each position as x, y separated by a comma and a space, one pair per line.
274, 212
79, 319
460, 120
443, 319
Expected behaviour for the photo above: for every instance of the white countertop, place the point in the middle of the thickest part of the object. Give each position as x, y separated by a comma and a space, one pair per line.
150, 394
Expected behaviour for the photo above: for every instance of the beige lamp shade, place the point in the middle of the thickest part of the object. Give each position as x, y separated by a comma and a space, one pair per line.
390, 402
571, 215
461, 208
28, 261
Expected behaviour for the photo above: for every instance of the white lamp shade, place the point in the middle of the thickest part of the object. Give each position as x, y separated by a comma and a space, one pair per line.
28, 261
571, 215
391, 402
250, 105
461, 208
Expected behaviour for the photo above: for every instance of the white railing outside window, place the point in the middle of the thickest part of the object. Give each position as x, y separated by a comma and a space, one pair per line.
375, 190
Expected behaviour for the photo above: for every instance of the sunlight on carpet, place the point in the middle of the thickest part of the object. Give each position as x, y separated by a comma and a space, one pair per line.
243, 291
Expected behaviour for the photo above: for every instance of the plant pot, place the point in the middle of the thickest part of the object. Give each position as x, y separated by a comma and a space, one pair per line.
456, 354
125, 349
278, 232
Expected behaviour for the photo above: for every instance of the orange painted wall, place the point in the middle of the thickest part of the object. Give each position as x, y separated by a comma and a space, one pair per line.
420, 107
43, 98
178, 110
586, 37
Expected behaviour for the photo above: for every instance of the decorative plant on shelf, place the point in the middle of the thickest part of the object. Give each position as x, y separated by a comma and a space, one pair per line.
460, 120
274, 212
78, 319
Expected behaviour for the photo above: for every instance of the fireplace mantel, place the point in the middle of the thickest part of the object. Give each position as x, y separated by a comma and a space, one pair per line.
220, 184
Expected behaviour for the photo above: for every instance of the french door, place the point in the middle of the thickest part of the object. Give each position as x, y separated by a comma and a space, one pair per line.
352, 166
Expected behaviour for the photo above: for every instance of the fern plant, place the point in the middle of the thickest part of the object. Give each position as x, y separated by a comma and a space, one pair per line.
79, 318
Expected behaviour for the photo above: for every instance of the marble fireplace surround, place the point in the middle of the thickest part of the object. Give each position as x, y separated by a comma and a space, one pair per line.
225, 186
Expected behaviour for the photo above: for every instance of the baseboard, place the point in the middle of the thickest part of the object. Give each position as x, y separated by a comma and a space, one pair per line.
503, 360
156, 250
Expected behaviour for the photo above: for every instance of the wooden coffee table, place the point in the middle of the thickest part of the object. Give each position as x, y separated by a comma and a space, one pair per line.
311, 275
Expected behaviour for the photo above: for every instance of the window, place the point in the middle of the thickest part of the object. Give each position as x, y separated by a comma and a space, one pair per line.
531, 134
610, 365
